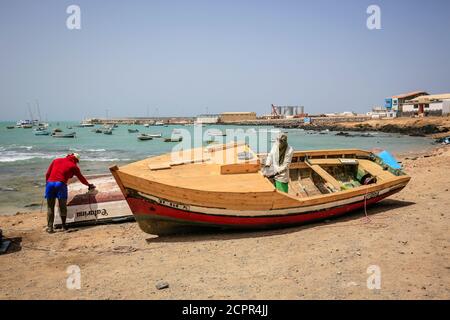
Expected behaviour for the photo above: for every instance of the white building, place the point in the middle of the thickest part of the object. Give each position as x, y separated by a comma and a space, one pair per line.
432, 105
207, 118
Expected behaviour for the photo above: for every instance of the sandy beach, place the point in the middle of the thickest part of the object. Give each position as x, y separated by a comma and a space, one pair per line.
406, 236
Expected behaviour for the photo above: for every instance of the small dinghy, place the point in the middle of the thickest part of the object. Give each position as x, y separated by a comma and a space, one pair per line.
133, 130
63, 135
41, 132
173, 139
104, 204
108, 131
144, 136
10, 127
223, 186
155, 135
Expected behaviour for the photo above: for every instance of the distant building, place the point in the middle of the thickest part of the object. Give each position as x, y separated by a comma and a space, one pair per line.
287, 111
395, 103
207, 118
428, 105
227, 117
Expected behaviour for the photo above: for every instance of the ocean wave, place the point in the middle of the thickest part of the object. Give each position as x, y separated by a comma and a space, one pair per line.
12, 156
86, 150
104, 159
15, 147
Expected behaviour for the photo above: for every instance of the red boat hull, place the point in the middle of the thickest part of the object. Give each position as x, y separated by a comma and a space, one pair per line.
155, 218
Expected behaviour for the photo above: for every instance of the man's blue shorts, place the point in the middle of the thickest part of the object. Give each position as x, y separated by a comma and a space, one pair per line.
56, 190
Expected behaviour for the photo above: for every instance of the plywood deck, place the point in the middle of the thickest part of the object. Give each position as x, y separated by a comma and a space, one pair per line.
205, 176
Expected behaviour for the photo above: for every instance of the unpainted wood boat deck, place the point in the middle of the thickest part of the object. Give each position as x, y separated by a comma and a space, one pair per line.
205, 173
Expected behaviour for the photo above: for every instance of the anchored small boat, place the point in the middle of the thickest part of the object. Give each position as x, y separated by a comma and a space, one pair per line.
144, 136
108, 131
216, 186
173, 139
41, 132
63, 135
10, 127
85, 124
133, 130
155, 135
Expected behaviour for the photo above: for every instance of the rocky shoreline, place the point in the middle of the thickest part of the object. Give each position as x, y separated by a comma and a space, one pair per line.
411, 130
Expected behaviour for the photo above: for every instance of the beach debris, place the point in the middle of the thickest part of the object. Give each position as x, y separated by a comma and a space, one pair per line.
8, 189
162, 285
124, 249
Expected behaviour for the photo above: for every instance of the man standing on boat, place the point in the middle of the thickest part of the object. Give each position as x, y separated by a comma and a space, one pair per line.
58, 174
280, 158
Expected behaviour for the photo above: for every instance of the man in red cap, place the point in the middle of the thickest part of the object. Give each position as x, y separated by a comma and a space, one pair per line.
58, 174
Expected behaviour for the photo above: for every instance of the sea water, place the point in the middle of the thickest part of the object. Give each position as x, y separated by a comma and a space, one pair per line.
24, 157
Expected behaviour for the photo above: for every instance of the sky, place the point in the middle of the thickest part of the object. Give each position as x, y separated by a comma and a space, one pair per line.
183, 58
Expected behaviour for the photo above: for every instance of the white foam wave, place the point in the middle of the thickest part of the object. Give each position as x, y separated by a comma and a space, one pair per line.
12, 156
104, 159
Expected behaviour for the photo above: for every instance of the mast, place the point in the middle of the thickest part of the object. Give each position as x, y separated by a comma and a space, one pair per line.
38, 110
30, 112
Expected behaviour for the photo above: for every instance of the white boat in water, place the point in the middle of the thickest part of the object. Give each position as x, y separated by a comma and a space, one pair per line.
144, 136
86, 125
155, 135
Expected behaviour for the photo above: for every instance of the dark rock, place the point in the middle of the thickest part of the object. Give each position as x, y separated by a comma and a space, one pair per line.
31, 205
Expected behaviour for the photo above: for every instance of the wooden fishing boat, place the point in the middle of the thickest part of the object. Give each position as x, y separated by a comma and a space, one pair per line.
104, 204
144, 137
216, 186
63, 135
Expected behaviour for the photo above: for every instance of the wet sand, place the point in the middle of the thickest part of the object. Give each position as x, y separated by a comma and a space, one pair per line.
407, 236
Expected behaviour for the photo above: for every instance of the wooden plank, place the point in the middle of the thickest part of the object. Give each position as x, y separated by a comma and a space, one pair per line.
330, 161
298, 165
336, 152
375, 170
236, 168
308, 187
159, 166
326, 176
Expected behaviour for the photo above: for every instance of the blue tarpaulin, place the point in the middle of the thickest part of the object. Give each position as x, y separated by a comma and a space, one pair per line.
389, 159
